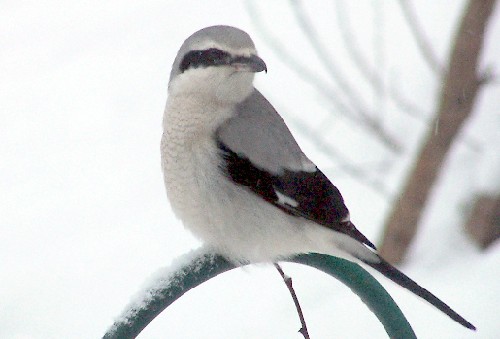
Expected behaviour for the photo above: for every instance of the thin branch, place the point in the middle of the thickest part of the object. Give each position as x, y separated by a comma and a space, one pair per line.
288, 283
420, 38
354, 171
405, 106
378, 47
306, 26
336, 75
367, 71
324, 88
375, 80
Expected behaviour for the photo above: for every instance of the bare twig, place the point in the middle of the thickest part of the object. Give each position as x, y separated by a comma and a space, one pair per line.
362, 175
336, 75
288, 283
375, 80
350, 109
420, 38
368, 72
378, 47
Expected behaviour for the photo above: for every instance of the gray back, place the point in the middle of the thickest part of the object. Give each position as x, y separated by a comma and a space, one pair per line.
259, 133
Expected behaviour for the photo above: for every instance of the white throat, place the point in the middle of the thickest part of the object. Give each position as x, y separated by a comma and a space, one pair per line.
215, 85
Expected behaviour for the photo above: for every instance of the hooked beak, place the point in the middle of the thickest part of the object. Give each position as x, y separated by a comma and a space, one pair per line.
252, 64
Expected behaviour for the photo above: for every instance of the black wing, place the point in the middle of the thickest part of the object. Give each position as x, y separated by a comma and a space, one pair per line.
303, 194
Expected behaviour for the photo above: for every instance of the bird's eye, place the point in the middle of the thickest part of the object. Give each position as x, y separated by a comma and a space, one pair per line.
216, 56
204, 58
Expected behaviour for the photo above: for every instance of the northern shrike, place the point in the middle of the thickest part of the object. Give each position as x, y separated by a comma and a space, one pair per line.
235, 175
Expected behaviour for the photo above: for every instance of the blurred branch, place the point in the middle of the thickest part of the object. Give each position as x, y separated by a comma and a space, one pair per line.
336, 76
420, 38
372, 77
483, 224
458, 96
357, 172
349, 110
378, 47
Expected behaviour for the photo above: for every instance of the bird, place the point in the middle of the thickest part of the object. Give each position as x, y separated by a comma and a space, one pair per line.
236, 177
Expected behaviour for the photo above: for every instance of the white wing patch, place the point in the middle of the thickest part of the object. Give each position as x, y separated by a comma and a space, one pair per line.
346, 218
308, 166
285, 200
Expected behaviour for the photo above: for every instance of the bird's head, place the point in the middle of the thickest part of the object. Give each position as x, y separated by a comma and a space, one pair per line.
217, 63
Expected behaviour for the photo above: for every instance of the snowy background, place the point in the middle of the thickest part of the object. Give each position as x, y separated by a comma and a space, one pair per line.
84, 219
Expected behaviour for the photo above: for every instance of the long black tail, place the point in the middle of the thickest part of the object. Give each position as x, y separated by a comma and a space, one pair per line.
403, 280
